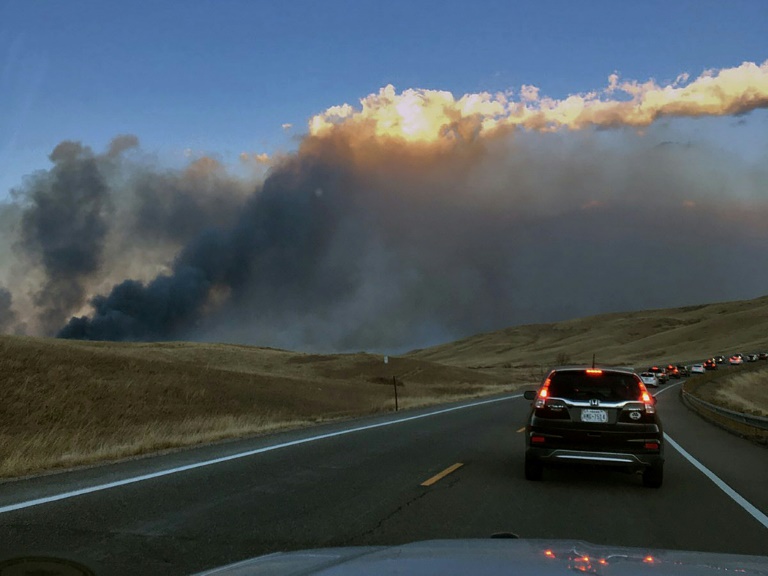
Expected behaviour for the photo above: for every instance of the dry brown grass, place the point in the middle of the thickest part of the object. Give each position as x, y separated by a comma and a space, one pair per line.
65, 403
742, 389
633, 338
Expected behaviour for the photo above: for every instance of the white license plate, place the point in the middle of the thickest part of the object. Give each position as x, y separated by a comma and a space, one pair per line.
594, 415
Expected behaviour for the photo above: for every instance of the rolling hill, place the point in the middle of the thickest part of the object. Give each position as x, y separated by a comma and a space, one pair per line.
650, 336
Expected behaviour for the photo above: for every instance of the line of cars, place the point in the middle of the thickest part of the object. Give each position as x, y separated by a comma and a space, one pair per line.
656, 375
734, 360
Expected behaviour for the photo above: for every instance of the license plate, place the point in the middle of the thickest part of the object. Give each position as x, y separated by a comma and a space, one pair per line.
594, 415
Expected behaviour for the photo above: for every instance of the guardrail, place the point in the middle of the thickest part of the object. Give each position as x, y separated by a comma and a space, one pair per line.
750, 420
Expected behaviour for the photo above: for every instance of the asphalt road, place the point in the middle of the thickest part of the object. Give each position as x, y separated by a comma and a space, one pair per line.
365, 487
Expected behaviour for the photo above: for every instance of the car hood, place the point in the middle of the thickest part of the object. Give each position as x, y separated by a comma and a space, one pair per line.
509, 557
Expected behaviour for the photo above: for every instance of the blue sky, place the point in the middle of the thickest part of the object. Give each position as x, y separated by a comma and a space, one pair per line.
222, 77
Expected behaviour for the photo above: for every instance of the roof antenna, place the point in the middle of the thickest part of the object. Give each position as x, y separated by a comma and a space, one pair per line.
593, 360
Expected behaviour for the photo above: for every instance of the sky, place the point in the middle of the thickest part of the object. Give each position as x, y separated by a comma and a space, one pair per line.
223, 77
488, 151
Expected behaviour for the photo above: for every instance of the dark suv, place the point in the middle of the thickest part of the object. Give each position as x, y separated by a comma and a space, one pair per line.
601, 416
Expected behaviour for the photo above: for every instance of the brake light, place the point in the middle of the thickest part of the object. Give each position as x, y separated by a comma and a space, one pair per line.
543, 393
646, 398
538, 439
651, 445
594, 371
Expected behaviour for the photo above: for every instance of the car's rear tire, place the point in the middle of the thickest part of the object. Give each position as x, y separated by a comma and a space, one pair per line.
533, 469
653, 476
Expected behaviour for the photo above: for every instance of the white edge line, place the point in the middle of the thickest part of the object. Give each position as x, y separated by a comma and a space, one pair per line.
667, 388
99, 487
735, 496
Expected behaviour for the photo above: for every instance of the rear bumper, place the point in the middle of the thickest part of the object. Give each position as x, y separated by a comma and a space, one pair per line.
594, 457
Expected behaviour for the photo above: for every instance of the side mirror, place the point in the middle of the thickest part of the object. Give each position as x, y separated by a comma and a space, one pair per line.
529, 394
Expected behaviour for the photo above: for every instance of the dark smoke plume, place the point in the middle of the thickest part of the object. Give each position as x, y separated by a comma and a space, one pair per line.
270, 254
343, 248
93, 217
64, 226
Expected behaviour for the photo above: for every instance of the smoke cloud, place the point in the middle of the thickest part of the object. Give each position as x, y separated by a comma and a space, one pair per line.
64, 227
413, 219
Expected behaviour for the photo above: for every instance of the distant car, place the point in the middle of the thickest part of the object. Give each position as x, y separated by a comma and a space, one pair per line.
683, 371
649, 379
710, 364
752, 357
661, 374
763, 355
720, 359
597, 416
735, 360
698, 369
673, 372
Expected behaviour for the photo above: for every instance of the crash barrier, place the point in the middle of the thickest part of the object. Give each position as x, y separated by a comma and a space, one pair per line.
747, 425
750, 419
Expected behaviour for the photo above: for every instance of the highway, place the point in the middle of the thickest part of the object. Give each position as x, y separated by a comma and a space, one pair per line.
361, 482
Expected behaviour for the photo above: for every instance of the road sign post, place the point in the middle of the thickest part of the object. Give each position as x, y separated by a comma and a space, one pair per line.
394, 383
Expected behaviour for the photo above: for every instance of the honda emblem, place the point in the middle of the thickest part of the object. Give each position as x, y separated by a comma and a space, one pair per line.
594, 402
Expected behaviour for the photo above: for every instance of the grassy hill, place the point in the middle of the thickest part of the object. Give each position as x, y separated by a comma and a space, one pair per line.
65, 402
634, 338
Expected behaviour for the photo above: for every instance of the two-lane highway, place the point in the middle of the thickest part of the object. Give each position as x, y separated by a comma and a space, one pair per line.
388, 479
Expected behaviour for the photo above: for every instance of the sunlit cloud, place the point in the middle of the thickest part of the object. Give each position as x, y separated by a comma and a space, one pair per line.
419, 115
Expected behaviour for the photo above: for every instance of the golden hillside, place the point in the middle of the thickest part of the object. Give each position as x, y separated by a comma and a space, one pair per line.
651, 336
65, 402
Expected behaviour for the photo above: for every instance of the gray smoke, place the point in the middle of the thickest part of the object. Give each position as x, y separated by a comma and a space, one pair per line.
64, 226
269, 256
381, 246
397, 248
94, 218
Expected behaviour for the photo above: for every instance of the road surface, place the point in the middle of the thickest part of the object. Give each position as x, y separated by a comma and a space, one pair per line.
361, 482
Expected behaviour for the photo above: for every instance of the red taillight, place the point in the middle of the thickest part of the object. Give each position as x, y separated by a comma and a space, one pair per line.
543, 393
651, 445
646, 398
538, 439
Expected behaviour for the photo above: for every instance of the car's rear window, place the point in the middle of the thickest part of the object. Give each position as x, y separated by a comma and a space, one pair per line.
607, 386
